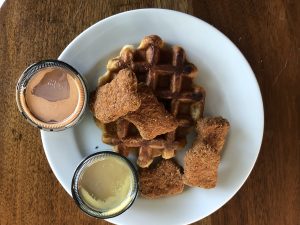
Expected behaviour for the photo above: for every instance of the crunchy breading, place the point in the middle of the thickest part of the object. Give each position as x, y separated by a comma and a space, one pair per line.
201, 162
117, 98
201, 166
213, 131
161, 180
151, 118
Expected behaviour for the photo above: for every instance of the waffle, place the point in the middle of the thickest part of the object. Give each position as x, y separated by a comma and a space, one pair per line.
170, 76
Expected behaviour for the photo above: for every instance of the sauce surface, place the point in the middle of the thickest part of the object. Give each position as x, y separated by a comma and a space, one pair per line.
52, 95
106, 184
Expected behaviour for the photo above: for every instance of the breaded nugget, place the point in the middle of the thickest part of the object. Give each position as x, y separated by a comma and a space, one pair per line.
151, 119
117, 98
161, 180
201, 162
213, 131
201, 166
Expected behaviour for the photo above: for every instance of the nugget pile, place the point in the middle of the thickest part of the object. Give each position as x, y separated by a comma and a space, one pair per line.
146, 104
170, 81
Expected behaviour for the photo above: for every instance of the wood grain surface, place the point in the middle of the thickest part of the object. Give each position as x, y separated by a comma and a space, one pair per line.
267, 33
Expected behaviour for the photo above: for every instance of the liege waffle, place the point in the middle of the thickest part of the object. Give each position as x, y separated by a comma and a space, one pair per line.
167, 72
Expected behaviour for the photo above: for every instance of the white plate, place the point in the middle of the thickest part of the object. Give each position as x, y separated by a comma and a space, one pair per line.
232, 91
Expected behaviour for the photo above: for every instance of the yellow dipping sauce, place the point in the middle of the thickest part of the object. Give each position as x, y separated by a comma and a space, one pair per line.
106, 184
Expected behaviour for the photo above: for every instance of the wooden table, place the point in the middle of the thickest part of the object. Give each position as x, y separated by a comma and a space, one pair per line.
267, 32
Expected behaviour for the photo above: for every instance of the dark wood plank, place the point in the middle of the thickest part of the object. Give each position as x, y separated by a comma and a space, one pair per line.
267, 32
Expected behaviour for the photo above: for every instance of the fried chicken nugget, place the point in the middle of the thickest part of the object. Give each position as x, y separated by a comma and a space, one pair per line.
117, 98
201, 164
151, 119
161, 180
213, 131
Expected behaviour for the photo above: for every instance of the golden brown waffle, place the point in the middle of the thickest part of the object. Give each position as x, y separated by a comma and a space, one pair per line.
171, 77
125, 137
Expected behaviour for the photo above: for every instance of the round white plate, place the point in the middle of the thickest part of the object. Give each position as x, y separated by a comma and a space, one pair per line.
232, 91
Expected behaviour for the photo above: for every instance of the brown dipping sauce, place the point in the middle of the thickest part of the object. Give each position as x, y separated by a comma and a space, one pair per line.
52, 97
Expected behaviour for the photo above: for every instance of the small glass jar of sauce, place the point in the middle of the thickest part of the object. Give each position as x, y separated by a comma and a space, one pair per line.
105, 184
51, 95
